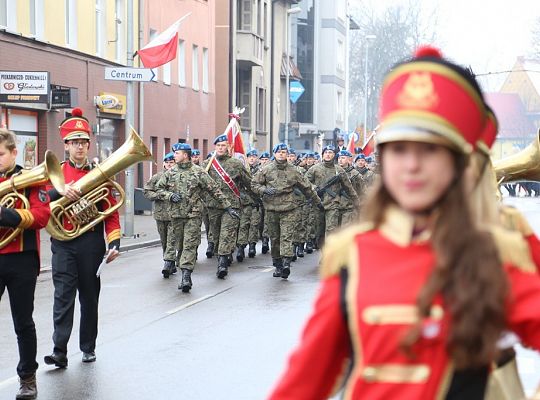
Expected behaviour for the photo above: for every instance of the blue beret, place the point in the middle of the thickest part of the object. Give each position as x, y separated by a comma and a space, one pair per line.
359, 157
220, 138
329, 147
264, 155
344, 153
291, 151
317, 156
252, 153
168, 157
369, 159
181, 146
195, 152
309, 154
280, 146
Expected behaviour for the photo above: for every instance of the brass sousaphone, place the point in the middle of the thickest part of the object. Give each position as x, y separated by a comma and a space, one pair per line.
96, 187
522, 166
48, 170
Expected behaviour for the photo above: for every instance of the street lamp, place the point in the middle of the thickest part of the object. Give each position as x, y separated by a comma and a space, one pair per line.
293, 10
367, 39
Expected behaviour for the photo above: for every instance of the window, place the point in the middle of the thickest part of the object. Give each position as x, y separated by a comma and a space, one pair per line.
340, 55
152, 36
244, 97
181, 63
119, 27
3, 12
339, 105
100, 31
259, 18
196, 144
166, 146
8, 14
244, 15
167, 73
205, 147
71, 23
205, 70
261, 108
265, 19
195, 68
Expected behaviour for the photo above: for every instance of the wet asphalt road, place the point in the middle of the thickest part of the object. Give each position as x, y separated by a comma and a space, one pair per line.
225, 340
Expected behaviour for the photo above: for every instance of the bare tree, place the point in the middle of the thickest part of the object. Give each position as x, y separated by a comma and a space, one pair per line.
398, 30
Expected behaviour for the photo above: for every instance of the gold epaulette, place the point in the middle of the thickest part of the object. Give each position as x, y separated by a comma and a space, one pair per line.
337, 249
513, 249
513, 220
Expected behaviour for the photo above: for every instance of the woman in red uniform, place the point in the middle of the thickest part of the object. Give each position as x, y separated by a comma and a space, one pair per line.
414, 299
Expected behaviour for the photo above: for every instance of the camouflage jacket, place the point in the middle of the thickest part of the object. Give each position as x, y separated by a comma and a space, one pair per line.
285, 178
161, 208
357, 183
238, 173
190, 182
321, 173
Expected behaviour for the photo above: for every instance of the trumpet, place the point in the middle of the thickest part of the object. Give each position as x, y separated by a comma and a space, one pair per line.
96, 187
524, 165
48, 170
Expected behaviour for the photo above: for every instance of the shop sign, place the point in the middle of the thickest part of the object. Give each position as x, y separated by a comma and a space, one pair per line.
24, 86
112, 103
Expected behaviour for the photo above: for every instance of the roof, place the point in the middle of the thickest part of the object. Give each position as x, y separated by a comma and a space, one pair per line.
293, 69
512, 116
532, 69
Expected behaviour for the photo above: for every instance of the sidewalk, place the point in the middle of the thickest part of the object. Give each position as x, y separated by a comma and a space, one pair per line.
145, 235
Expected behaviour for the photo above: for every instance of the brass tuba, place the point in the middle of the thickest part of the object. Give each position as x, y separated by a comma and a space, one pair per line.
95, 187
48, 170
524, 165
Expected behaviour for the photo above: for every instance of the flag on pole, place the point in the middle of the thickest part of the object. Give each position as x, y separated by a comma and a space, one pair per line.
162, 48
352, 141
369, 146
234, 135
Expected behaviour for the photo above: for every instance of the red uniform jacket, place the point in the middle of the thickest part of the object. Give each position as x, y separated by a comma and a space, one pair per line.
31, 220
367, 302
112, 222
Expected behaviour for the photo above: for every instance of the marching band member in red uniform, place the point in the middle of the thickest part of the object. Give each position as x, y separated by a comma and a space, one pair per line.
75, 262
19, 263
411, 304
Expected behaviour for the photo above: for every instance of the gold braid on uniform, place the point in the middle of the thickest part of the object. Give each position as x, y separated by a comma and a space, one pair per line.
337, 249
513, 220
513, 249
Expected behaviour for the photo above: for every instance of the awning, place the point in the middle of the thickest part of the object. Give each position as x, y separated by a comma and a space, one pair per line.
294, 71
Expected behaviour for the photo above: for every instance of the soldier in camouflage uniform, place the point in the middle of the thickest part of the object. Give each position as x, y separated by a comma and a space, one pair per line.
309, 213
263, 160
196, 157
161, 211
348, 208
250, 217
183, 185
300, 235
275, 183
319, 175
367, 174
224, 223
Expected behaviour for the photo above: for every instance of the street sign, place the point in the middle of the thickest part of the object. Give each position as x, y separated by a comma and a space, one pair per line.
296, 89
129, 74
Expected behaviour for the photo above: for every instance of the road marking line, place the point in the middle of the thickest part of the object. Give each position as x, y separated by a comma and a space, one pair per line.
268, 269
191, 303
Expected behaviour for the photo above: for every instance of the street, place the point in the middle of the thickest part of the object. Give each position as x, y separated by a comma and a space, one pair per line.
225, 340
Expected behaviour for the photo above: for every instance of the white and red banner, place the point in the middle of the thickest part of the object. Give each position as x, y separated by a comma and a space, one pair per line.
234, 136
162, 48
225, 176
369, 146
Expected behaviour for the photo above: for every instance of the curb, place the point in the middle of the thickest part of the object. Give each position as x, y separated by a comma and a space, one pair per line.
123, 249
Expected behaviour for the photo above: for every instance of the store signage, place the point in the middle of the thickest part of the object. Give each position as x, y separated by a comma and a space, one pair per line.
112, 103
24, 86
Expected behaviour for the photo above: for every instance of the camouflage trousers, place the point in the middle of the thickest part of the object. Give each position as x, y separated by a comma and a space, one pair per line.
281, 229
301, 232
206, 223
332, 220
248, 232
187, 237
224, 230
348, 216
164, 229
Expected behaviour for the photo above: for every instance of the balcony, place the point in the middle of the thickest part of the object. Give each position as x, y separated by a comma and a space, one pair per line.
249, 49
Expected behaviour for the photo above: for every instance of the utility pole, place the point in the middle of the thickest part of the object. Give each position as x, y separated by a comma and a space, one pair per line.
130, 172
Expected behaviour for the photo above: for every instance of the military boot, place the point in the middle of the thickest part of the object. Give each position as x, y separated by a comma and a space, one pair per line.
210, 250
240, 255
265, 246
251, 251
185, 284
295, 246
286, 271
174, 270
300, 250
28, 388
167, 268
278, 264
223, 267
309, 247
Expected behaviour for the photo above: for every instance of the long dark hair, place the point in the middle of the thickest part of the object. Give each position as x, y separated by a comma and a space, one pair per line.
468, 274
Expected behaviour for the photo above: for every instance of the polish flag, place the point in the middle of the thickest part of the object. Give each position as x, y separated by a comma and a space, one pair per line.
162, 48
369, 146
234, 137
353, 137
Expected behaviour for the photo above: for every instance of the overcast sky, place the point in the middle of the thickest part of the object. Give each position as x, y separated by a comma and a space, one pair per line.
486, 34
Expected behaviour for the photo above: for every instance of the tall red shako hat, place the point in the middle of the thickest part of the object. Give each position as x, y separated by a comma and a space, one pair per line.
430, 99
75, 127
489, 134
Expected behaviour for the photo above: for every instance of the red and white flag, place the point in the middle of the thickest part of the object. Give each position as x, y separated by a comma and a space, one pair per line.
234, 136
369, 146
352, 141
162, 48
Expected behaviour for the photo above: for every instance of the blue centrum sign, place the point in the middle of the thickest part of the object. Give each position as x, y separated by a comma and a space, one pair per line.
296, 89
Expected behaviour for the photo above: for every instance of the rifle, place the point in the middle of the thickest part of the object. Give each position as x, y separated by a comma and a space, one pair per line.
326, 187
